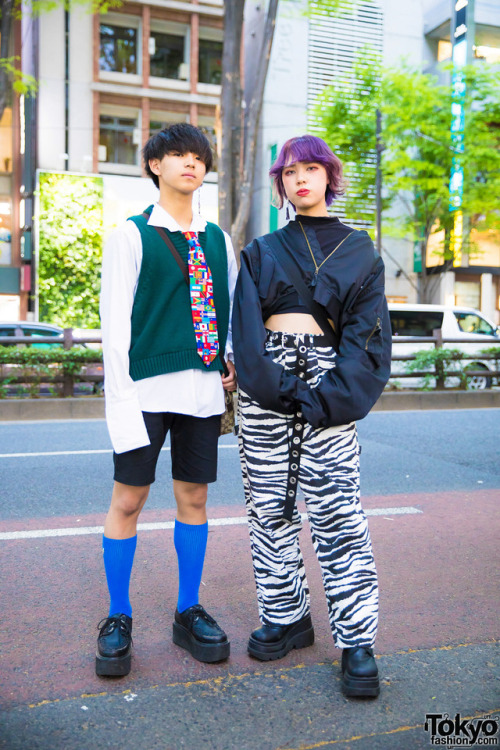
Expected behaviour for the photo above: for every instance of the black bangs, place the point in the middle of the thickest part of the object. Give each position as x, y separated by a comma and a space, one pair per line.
181, 137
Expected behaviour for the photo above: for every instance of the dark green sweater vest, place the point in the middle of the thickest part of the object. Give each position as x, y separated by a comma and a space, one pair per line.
163, 338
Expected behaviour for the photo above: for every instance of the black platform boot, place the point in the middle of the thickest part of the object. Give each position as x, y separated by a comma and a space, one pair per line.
360, 672
275, 641
114, 646
198, 632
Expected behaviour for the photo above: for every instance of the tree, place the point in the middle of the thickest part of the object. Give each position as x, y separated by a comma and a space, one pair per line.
239, 125
240, 119
70, 249
418, 152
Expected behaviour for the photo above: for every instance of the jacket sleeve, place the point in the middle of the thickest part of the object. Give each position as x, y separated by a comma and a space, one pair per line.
348, 391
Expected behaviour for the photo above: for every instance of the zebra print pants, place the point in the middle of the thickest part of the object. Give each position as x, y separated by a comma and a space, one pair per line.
329, 479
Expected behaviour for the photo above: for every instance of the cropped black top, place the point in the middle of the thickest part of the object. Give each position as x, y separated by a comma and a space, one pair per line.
350, 287
287, 303
330, 231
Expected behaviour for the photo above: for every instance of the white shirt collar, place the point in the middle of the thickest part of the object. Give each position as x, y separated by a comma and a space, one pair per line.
161, 218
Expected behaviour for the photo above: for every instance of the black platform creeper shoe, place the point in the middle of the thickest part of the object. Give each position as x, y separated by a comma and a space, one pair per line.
114, 646
197, 632
360, 672
275, 641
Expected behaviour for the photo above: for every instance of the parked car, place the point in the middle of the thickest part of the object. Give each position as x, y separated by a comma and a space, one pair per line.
35, 330
455, 324
39, 330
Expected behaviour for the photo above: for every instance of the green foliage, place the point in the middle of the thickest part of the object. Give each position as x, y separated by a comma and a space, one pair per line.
71, 359
71, 226
481, 158
418, 151
22, 83
26, 368
331, 7
346, 111
442, 363
493, 351
39, 7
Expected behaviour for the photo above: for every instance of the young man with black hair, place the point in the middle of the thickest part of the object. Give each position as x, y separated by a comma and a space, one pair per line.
162, 342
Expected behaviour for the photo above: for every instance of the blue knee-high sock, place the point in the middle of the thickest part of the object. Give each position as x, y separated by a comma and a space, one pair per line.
190, 544
118, 560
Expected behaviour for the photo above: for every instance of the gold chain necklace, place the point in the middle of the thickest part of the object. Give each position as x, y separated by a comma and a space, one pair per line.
315, 279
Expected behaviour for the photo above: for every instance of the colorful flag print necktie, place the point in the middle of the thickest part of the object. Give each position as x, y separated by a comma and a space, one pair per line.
201, 291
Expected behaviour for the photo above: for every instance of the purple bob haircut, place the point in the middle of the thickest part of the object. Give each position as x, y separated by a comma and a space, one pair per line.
308, 148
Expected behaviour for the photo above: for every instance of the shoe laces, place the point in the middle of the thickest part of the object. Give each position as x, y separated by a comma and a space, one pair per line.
198, 612
108, 624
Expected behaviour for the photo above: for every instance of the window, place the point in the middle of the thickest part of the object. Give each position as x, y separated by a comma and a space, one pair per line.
118, 49
469, 323
155, 126
8, 331
415, 323
116, 135
210, 61
444, 50
167, 53
490, 54
468, 293
39, 331
160, 120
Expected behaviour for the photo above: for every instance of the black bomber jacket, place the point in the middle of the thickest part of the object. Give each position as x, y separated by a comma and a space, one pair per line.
350, 286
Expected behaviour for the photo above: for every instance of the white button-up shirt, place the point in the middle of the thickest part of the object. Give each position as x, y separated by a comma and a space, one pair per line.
193, 392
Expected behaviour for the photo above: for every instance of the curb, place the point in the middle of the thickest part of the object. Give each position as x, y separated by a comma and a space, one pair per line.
93, 408
19, 409
414, 400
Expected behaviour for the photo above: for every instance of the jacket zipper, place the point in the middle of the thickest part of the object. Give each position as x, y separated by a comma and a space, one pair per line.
378, 327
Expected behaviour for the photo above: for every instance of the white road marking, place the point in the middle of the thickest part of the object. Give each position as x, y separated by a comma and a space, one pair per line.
161, 525
78, 453
54, 453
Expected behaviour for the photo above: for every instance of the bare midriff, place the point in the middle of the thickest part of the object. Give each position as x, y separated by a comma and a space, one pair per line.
293, 323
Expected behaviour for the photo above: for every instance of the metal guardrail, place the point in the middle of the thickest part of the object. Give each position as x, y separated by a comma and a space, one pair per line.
440, 373
68, 340
91, 372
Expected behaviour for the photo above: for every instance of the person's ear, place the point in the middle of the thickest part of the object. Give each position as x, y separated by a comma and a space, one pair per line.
154, 165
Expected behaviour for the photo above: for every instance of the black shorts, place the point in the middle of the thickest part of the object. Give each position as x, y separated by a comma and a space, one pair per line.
193, 446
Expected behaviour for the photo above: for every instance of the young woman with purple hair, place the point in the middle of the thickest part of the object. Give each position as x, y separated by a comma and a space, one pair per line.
310, 363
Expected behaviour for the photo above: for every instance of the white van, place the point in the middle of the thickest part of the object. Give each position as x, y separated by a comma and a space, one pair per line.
456, 323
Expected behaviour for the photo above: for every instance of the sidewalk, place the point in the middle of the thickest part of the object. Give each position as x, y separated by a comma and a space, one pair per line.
93, 408
436, 645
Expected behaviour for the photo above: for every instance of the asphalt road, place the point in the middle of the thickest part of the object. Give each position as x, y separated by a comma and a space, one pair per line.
431, 485
403, 452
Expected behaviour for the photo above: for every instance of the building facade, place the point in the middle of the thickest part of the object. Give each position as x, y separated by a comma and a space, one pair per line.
316, 51
474, 280
107, 82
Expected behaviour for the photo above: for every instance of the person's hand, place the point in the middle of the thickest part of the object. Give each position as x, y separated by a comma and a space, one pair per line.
229, 381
